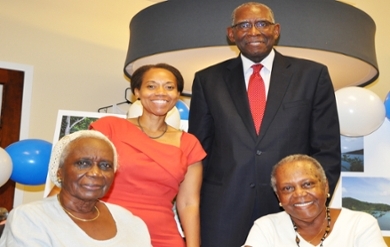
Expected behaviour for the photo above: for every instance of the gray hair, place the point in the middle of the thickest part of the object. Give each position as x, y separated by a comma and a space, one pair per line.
294, 158
255, 4
61, 151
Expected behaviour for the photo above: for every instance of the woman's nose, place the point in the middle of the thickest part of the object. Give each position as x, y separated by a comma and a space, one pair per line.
160, 90
300, 192
95, 170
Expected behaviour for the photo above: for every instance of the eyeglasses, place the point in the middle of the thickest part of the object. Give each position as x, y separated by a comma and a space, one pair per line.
246, 25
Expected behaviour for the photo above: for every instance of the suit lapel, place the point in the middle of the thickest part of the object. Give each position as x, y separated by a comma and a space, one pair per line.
280, 79
235, 83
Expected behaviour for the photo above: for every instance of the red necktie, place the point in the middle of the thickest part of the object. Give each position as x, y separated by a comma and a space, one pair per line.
256, 96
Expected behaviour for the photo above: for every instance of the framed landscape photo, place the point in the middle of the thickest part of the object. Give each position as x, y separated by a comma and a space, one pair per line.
72, 121
368, 194
352, 154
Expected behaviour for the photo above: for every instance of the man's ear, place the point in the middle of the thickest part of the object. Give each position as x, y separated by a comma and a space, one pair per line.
230, 34
276, 31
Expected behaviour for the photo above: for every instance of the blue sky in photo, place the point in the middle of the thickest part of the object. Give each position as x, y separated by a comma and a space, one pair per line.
351, 144
367, 189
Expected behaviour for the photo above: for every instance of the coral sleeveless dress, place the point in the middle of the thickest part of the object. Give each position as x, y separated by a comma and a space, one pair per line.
149, 176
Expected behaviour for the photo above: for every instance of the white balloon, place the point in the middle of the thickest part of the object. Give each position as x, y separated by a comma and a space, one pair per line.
360, 111
172, 118
5, 167
135, 109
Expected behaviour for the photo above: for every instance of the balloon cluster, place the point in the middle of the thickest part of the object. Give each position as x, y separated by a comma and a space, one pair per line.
25, 162
179, 112
361, 111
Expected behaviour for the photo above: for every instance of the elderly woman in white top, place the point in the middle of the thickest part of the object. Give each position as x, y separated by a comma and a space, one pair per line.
83, 164
300, 184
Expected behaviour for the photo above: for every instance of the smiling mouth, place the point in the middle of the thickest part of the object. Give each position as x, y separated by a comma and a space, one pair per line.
255, 42
303, 204
160, 101
93, 186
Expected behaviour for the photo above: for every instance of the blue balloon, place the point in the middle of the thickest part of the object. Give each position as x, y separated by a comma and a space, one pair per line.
387, 105
30, 160
183, 109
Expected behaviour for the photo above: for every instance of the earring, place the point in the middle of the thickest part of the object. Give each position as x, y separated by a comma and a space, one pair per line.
59, 180
280, 204
328, 195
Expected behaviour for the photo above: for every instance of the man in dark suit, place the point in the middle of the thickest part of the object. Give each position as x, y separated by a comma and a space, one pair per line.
300, 117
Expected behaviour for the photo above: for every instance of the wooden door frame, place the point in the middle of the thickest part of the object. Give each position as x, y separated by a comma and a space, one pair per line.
25, 118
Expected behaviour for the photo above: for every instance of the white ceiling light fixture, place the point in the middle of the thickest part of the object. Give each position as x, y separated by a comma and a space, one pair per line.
191, 35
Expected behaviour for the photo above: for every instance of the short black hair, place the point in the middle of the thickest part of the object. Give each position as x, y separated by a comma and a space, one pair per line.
137, 76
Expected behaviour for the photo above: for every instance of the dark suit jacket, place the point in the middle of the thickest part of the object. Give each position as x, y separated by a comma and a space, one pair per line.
300, 117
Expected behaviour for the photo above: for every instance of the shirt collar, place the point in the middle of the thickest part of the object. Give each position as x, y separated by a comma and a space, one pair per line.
267, 62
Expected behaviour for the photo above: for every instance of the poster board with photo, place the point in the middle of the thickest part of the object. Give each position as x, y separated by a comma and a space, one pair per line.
365, 178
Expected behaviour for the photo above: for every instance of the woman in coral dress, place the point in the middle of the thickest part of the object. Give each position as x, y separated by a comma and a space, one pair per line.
157, 163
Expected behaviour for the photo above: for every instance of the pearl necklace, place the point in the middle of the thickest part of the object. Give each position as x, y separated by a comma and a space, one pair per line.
326, 233
75, 217
152, 137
